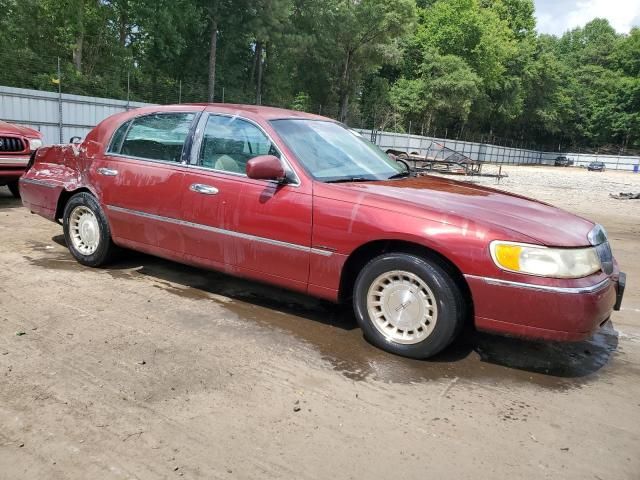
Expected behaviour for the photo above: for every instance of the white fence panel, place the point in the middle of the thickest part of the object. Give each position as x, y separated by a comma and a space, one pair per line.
496, 153
41, 111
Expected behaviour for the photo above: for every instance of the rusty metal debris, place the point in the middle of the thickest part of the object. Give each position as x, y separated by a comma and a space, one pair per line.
441, 159
625, 196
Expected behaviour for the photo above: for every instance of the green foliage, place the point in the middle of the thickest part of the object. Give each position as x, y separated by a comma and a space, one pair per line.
301, 102
472, 66
444, 93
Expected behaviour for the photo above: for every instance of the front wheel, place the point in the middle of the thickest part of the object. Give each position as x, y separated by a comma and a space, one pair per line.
408, 305
14, 188
86, 230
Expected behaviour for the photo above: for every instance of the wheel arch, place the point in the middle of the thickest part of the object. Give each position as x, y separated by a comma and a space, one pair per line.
366, 252
65, 196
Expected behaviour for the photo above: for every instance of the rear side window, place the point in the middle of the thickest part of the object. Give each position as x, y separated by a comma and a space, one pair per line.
160, 136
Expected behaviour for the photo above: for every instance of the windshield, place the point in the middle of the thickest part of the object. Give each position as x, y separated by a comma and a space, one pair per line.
333, 153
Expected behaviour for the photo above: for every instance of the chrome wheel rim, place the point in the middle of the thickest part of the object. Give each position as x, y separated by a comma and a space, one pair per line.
85, 230
402, 307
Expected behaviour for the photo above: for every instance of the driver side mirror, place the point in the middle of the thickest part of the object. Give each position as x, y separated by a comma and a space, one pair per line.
266, 167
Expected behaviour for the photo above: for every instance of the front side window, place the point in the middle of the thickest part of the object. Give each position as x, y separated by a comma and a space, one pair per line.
160, 136
230, 142
333, 153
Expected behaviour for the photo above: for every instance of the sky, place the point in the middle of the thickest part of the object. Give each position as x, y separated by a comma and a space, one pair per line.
558, 16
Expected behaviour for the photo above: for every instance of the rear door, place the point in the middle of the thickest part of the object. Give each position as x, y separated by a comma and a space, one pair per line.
141, 175
256, 228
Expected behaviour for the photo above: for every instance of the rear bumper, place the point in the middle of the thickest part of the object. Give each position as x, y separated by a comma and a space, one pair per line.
40, 196
569, 313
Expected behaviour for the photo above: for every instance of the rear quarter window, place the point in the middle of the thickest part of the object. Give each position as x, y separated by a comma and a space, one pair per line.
118, 137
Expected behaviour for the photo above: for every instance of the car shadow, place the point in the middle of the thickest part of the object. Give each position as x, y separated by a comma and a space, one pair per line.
7, 200
333, 331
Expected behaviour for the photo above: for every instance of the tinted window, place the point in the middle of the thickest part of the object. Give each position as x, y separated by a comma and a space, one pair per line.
118, 137
159, 136
229, 143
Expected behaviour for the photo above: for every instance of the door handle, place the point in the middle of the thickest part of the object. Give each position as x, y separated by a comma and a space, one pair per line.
107, 172
204, 189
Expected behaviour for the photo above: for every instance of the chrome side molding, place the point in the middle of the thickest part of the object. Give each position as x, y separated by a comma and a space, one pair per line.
545, 288
221, 231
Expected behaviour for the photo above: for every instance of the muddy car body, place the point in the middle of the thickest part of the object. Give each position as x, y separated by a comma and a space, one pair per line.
299, 201
16, 144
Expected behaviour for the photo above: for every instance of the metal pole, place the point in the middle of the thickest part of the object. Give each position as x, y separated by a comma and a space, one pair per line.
128, 89
222, 94
180, 91
59, 102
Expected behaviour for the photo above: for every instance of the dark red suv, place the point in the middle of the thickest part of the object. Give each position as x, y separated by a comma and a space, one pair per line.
16, 144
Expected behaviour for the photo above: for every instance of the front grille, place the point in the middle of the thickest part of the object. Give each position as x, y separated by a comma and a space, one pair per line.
606, 257
11, 144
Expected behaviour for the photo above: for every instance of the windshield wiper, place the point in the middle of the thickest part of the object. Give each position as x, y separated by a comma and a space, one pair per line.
349, 179
400, 175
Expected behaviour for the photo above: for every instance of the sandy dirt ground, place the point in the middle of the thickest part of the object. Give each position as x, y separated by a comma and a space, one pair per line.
149, 369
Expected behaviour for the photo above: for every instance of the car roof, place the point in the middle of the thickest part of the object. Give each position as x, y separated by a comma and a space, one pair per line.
252, 112
265, 112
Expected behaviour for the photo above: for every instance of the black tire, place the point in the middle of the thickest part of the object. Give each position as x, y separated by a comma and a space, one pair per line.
106, 248
14, 188
405, 164
450, 302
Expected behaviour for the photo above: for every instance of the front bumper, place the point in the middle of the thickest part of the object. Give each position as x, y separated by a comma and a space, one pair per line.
12, 167
562, 313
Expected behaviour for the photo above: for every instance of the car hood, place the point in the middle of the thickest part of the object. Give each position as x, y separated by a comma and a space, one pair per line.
440, 197
12, 129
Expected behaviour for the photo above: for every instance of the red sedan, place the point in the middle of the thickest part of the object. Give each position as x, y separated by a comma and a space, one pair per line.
16, 145
302, 202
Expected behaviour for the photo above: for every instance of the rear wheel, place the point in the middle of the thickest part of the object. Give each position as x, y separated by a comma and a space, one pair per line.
86, 230
408, 305
14, 188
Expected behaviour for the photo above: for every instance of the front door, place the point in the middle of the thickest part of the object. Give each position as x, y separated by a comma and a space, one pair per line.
254, 228
140, 178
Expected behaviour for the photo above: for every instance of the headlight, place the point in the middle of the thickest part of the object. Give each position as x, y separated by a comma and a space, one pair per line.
34, 144
544, 261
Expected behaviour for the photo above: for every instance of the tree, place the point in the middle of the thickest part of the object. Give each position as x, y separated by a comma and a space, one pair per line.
626, 53
443, 94
361, 30
477, 35
591, 44
301, 102
216, 14
268, 20
472, 64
